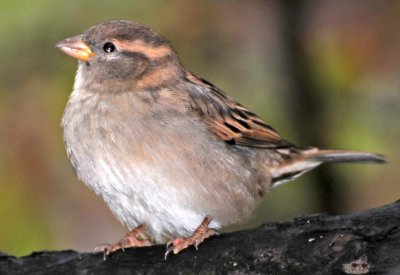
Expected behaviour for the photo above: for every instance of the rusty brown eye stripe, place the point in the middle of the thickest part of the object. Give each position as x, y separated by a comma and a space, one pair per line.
147, 49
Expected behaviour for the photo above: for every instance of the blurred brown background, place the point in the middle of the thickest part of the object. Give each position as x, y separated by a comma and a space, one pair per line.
322, 73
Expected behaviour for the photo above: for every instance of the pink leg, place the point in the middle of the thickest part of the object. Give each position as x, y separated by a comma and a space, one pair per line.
132, 239
199, 235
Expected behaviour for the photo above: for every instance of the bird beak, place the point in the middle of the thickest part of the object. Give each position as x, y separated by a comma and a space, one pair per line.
76, 48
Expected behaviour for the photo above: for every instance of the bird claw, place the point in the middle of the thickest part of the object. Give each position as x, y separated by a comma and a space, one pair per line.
169, 249
131, 239
169, 244
106, 248
201, 233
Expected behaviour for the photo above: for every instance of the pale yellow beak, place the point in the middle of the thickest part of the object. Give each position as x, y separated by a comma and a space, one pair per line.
76, 48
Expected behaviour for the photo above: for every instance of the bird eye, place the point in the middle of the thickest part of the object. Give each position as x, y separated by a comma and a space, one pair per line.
108, 47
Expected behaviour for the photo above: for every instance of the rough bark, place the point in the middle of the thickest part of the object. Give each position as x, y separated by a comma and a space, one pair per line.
366, 242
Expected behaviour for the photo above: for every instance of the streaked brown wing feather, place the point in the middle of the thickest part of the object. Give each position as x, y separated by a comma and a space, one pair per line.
230, 121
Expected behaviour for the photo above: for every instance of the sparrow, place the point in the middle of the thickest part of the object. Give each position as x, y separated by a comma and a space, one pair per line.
173, 157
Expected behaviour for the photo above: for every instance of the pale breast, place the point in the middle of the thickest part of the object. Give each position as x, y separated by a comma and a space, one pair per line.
155, 165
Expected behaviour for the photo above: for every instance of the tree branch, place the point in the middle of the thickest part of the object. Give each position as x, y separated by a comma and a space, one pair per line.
359, 243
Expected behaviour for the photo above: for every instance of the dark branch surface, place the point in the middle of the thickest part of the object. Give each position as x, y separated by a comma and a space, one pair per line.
367, 242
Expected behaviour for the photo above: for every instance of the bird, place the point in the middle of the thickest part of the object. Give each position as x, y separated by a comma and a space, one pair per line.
173, 157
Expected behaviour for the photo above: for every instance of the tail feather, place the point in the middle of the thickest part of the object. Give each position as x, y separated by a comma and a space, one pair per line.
344, 156
305, 160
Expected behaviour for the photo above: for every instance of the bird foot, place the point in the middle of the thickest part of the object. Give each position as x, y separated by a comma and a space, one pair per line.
132, 239
200, 234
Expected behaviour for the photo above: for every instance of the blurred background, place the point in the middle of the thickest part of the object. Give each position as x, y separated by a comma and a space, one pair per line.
323, 73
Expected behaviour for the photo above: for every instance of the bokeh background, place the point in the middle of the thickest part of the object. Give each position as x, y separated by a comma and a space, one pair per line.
323, 73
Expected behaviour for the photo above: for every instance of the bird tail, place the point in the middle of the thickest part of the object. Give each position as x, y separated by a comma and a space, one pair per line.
304, 160
344, 156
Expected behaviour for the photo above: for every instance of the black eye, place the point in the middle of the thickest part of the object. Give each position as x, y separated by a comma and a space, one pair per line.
108, 47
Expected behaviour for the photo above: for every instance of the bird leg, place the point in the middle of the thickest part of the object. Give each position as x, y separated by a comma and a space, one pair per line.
132, 239
202, 232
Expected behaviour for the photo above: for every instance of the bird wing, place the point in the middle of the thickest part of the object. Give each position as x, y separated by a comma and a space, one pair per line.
230, 121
